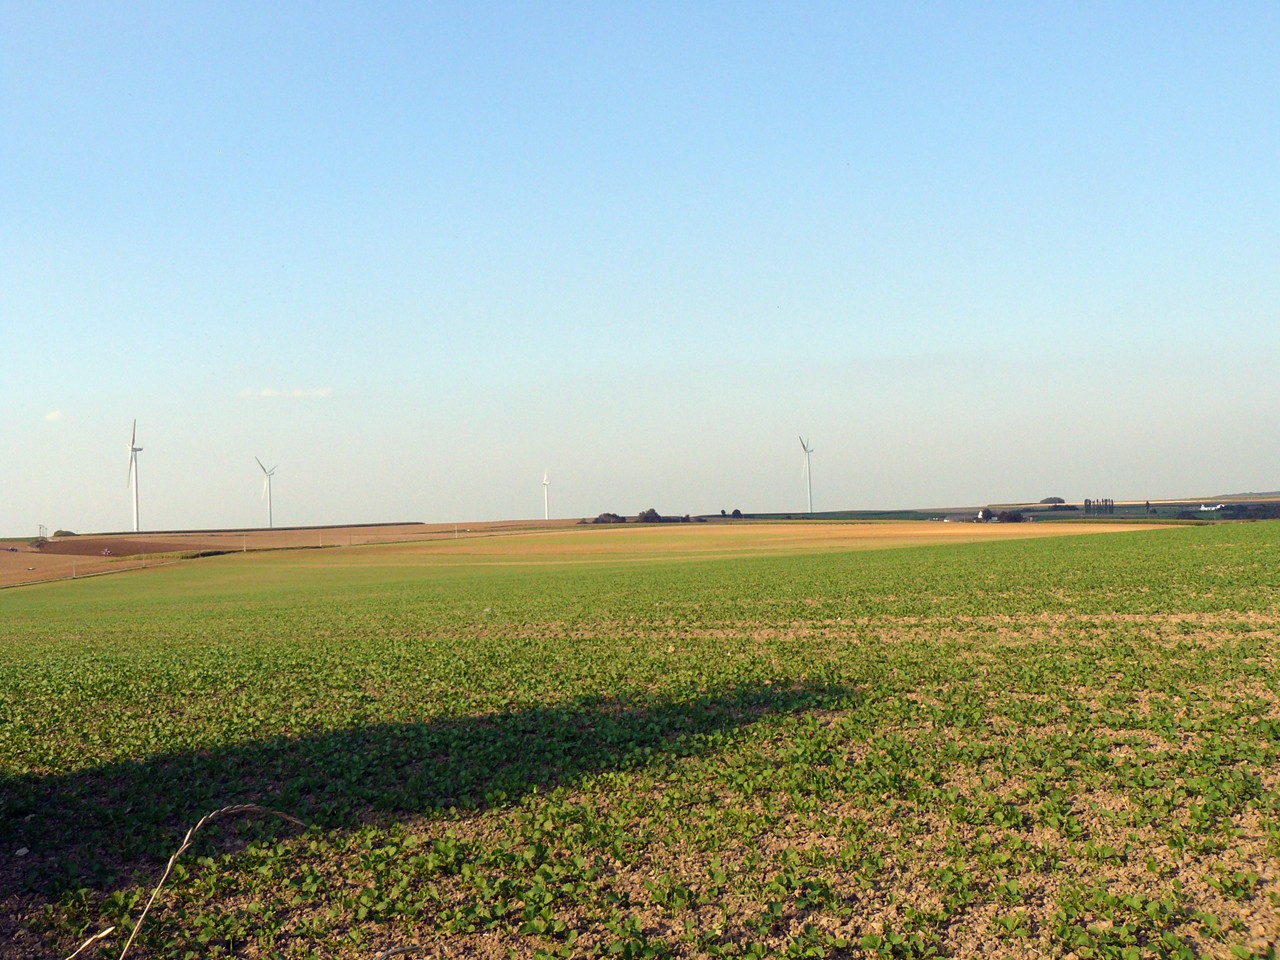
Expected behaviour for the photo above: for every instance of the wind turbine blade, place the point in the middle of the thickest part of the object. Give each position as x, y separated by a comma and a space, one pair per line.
264, 469
266, 485
133, 439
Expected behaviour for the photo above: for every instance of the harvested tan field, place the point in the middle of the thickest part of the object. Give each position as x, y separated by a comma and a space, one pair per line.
641, 543
513, 541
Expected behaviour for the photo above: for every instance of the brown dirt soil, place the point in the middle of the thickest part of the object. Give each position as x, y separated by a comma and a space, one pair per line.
87, 555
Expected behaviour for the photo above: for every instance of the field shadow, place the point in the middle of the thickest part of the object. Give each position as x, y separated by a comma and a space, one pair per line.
104, 827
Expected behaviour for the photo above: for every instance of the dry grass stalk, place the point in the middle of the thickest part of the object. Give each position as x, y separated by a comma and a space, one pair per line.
91, 941
233, 809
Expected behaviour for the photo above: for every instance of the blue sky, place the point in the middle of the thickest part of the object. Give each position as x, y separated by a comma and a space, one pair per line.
415, 254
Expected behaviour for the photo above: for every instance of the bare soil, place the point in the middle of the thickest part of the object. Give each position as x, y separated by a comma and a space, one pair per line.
62, 558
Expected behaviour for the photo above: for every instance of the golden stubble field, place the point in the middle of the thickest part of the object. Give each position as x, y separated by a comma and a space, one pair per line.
512, 541
663, 541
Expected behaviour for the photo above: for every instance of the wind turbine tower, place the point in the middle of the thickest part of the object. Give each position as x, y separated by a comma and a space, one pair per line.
266, 488
546, 501
134, 450
808, 476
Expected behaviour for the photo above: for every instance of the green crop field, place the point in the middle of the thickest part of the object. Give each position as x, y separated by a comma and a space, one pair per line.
1065, 747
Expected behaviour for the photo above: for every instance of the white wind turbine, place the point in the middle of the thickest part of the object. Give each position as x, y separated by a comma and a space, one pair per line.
134, 450
546, 502
808, 476
266, 488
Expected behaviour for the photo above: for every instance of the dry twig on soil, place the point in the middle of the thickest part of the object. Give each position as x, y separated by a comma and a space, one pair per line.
232, 810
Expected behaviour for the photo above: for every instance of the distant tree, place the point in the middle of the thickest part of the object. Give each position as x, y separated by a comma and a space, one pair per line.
64, 533
1250, 511
649, 516
1010, 516
1053, 500
723, 513
985, 514
609, 518
737, 514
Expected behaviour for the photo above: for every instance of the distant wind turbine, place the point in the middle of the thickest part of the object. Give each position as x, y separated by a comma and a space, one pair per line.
134, 450
266, 488
808, 476
546, 502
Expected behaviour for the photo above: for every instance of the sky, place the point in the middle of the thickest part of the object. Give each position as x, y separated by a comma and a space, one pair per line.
416, 255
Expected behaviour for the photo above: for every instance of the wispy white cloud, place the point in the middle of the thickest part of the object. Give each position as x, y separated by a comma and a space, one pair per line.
314, 393
53, 416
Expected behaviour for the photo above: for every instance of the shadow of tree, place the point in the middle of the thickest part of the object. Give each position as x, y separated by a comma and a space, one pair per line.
101, 827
